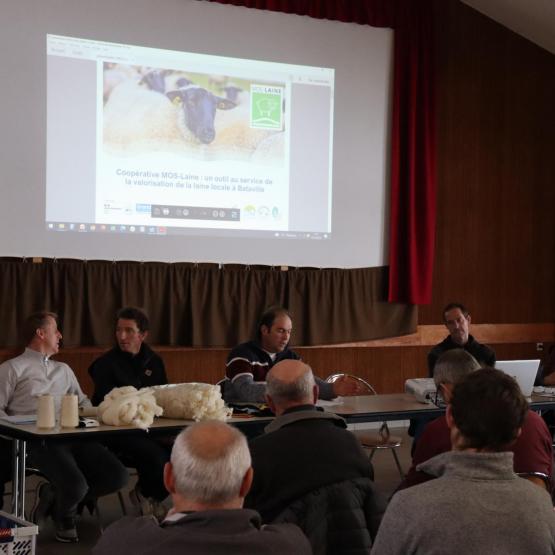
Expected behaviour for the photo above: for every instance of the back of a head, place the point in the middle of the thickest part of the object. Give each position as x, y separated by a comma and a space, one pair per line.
488, 409
453, 366
209, 461
290, 382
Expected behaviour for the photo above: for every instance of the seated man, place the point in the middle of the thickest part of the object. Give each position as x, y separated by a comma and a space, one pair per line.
208, 477
304, 448
477, 504
78, 470
457, 321
133, 362
248, 363
547, 376
532, 450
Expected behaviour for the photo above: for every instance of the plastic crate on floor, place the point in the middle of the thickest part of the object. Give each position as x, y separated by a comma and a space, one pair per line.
19, 540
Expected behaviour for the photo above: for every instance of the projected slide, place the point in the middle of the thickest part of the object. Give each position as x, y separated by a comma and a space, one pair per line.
177, 142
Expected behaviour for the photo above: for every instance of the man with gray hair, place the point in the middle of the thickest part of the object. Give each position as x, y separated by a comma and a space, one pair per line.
208, 476
304, 448
533, 453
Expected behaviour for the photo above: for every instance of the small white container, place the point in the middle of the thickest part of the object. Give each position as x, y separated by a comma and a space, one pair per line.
46, 415
69, 412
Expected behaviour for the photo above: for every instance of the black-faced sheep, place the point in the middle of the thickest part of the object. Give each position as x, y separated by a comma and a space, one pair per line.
164, 80
235, 94
198, 110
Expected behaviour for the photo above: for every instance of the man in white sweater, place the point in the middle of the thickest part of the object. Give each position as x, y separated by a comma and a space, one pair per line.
77, 471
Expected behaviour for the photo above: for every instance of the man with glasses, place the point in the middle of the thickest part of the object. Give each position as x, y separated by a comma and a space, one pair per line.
533, 453
477, 504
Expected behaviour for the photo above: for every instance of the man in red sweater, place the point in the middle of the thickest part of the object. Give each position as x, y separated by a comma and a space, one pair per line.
533, 452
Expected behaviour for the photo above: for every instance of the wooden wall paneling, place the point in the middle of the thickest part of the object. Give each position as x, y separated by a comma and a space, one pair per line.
386, 368
495, 234
195, 365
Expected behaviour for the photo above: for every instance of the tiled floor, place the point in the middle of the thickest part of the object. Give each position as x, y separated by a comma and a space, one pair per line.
386, 477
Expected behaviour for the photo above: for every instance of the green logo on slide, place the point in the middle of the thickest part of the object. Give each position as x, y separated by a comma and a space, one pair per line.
266, 107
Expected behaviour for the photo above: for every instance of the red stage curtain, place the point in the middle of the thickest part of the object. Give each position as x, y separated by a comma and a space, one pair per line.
412, 227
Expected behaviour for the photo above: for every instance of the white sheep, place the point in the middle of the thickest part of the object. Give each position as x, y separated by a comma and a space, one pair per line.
115, 74
137, 117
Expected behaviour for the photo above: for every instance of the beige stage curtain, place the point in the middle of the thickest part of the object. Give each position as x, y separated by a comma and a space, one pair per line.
204, 305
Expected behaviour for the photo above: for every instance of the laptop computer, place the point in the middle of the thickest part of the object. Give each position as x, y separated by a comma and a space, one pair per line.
523, 371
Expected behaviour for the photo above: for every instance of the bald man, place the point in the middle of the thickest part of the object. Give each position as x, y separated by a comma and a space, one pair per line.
208, 476
304, 448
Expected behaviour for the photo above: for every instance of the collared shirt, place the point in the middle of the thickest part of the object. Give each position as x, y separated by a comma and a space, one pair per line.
303, 412
31, 374
174, 517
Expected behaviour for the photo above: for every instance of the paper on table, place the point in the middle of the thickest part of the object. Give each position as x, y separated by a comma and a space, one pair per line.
332, 403
20, 418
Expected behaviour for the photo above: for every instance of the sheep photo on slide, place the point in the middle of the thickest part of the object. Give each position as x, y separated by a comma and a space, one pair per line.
206, 117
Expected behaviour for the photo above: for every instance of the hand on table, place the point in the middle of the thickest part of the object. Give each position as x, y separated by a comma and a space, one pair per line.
347, 386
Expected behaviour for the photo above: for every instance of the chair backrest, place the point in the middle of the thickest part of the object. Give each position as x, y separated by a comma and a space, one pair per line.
538, 478
338, 519
222, 383
368, 388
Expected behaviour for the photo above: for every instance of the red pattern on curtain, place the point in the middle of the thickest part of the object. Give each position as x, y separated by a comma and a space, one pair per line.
413, 149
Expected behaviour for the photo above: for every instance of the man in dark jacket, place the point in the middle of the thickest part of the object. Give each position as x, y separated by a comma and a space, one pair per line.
303, 448
133, 363
208, 477
456, 318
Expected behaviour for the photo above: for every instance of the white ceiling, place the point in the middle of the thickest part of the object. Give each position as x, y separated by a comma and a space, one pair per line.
533, 19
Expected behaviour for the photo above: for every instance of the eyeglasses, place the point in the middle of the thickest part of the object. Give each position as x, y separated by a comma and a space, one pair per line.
439, 401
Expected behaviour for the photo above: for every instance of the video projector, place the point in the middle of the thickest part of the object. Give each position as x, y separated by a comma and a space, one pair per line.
424, 389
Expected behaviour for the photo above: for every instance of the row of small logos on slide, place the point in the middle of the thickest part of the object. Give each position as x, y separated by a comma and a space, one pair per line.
113, 228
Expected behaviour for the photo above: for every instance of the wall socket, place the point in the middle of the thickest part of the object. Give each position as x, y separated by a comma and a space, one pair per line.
539, 346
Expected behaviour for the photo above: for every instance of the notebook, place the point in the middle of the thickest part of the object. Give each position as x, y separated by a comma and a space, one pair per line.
523, 371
